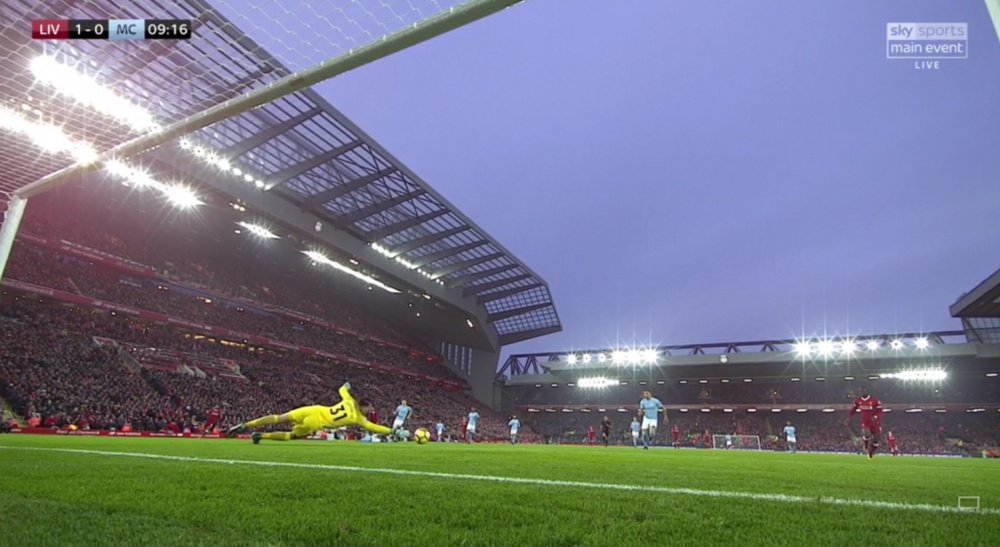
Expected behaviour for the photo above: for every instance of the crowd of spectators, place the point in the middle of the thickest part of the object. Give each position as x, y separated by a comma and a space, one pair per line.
52, 371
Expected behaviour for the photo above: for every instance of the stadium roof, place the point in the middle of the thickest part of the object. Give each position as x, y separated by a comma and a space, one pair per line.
299, 149
979, 310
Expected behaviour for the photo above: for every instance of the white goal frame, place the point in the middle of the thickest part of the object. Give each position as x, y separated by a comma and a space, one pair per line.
740, 442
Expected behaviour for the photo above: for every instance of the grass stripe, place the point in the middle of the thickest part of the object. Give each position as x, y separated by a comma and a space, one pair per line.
723, 494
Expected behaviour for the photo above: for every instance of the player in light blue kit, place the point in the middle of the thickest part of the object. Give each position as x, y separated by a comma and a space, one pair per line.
635, 432
402, 413
470, 428
649, 408
515, 425
789, 432
440, 430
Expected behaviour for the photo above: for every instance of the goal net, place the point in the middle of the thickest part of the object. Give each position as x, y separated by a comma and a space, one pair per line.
736, 442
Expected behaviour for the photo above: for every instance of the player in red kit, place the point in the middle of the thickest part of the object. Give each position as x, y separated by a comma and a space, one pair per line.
211, 421
591, 434
890, 439
706, 439
871, 420
675, 432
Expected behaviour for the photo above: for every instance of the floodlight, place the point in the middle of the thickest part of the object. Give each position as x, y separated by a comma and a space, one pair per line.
601, 357
919, 375
258, 230
848, 347
649, 356
634, 356
896, 344
618, 357
803, 349
181, 196
921, 343
586, 358
319, 258
571, 359
597, 382
872, 345
825, 348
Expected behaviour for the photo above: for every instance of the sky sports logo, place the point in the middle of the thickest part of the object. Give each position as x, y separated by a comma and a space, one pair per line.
927, 40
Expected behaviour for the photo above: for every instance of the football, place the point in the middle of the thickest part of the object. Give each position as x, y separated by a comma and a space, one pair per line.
422, 436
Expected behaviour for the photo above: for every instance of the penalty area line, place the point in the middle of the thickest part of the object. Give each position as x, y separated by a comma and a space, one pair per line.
694, 492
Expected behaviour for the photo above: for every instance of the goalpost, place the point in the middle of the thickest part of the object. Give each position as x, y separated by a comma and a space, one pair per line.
736, 442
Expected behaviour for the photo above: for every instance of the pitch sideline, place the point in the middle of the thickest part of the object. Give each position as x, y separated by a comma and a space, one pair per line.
781, 498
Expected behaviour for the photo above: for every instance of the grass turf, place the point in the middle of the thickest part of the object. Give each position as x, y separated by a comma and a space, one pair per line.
63, 498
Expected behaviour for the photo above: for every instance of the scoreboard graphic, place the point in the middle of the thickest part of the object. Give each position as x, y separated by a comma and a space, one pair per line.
111, 29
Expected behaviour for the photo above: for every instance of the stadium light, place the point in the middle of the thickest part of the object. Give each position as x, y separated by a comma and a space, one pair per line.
601, 357
634, 356
848, 347
802, 349
649, 356
918, 375
795, 379
829, 410
921, 343
683, 410
319, 258
586, 358
991, 374
596, 382
825, 348
258, 230
65, 80
800, 410
872, 345
618, 357
571, 359
751, 410
178, 194
913, 410
896, 344
775, 410
940, 410
49, 138
727, 410
747, 380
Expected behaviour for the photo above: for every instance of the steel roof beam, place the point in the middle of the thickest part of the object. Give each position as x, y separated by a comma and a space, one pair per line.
320, 198
419, 242
463, 280
385, 231
483, 287
247, 145
365, 212
459, 266
290, 173
445, 253
505, 293
506, 314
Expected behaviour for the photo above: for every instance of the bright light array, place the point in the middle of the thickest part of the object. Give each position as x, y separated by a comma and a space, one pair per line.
848, 347
598, 382
918, 375
921, 343
49, 138
872, 345
601, 358
258, 230
178, 194
65, 80
586, 358
320, 258
649, 356
825, 348
619, 357
802, 349
221, 163
571, 358
896, 344
634, 356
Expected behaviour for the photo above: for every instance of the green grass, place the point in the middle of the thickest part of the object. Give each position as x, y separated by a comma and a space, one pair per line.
62, 498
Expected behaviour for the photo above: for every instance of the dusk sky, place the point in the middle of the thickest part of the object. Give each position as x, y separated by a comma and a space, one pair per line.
686, 172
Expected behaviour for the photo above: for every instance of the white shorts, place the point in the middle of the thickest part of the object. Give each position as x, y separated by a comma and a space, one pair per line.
513, 432
470, 429
791, 440
635, 434
649, 422
397, 423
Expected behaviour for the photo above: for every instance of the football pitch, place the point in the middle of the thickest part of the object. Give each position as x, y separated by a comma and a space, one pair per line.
111, 491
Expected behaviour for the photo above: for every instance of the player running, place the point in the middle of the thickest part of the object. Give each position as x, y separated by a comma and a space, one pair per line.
440, 431
789, 433
675, 435
591, 434
649, 408
871, 418
606, 431
891, 440
403, 412
515, 425
307, 420
211, 421
470, 427
635, 432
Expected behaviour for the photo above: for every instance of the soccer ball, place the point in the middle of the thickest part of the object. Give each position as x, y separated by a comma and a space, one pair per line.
422, 436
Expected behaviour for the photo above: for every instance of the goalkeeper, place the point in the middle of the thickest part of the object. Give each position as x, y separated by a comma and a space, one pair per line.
307, 420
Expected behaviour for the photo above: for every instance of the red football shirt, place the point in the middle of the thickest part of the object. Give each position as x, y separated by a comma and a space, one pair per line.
870, 408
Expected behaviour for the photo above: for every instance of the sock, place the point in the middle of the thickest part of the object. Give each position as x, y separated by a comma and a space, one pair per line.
279, 436
261, 422
872, 447
645, 439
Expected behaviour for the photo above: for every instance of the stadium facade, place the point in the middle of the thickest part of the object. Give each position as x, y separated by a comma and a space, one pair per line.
296, 166
947, 371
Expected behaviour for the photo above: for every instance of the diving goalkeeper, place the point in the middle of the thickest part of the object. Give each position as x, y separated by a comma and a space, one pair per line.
307, 420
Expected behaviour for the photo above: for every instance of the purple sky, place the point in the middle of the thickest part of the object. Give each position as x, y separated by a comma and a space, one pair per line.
681, 172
